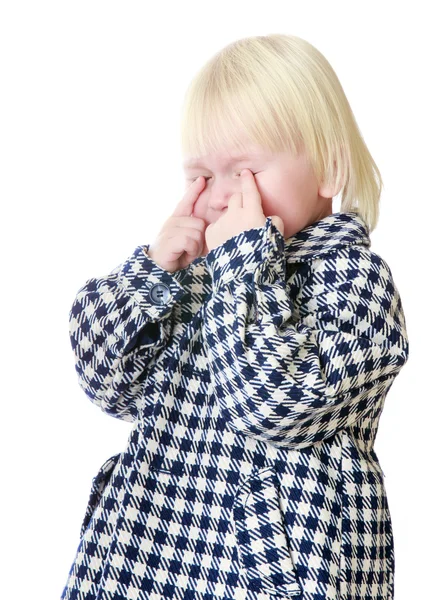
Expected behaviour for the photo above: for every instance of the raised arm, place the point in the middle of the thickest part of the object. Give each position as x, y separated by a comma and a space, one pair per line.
117, 325
296, 374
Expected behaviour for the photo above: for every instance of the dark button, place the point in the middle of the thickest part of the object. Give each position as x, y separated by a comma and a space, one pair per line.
159, 293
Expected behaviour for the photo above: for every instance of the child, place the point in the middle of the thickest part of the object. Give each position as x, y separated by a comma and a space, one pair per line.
252, 345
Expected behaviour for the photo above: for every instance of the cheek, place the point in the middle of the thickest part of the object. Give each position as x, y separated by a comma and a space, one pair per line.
269, 189
269, 206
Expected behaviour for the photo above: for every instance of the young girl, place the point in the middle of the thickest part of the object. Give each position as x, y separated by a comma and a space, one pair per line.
252, 345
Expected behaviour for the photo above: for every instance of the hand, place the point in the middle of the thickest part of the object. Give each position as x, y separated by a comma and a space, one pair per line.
244, 212
181, 238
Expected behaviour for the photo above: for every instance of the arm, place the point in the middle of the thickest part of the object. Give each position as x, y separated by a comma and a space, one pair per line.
116, 329
294, 376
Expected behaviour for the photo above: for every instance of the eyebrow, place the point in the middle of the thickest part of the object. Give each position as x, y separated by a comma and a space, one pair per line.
194, 162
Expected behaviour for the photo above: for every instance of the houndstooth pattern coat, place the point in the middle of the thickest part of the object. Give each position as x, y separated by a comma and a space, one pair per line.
255, 379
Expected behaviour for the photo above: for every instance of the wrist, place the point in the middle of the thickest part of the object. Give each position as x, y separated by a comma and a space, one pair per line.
257, 252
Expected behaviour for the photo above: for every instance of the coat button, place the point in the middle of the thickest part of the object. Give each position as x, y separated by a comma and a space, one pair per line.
159, 293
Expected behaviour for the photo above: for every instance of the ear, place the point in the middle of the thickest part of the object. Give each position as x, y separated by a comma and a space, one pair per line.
328, 189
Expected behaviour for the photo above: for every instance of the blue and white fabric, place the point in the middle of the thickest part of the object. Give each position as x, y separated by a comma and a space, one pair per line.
255, 379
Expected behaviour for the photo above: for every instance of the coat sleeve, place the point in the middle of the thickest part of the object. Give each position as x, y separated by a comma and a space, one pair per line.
116, 329
290, 374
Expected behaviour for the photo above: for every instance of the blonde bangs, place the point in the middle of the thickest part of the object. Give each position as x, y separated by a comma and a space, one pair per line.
220, 111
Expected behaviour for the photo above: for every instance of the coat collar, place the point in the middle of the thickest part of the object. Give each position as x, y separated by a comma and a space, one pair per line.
333, 232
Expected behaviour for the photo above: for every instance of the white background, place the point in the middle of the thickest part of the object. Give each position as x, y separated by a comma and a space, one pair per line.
91, 94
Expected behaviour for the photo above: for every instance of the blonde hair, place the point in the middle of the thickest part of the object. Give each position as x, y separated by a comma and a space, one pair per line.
281, 93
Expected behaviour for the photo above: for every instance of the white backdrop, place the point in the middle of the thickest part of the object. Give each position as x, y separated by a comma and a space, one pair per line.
90, 167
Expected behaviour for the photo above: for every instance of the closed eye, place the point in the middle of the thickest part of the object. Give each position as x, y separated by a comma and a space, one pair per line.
206, 178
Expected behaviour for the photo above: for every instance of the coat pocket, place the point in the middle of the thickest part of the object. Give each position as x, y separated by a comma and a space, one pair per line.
260, 532
98, 485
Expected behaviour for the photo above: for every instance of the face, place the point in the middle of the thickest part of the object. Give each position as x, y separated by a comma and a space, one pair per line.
287, 186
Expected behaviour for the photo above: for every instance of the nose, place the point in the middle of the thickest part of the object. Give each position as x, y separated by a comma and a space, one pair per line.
221, 191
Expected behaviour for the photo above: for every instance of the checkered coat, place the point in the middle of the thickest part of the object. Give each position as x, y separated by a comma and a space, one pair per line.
255, 379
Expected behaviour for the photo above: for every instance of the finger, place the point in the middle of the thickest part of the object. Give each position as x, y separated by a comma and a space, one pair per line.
195, 234
186, 244
278, 222
194, 247
192, 222
236, 201
185, 207
208, 230
251, 196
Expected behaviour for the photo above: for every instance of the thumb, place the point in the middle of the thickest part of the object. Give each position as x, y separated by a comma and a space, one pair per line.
278, 222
